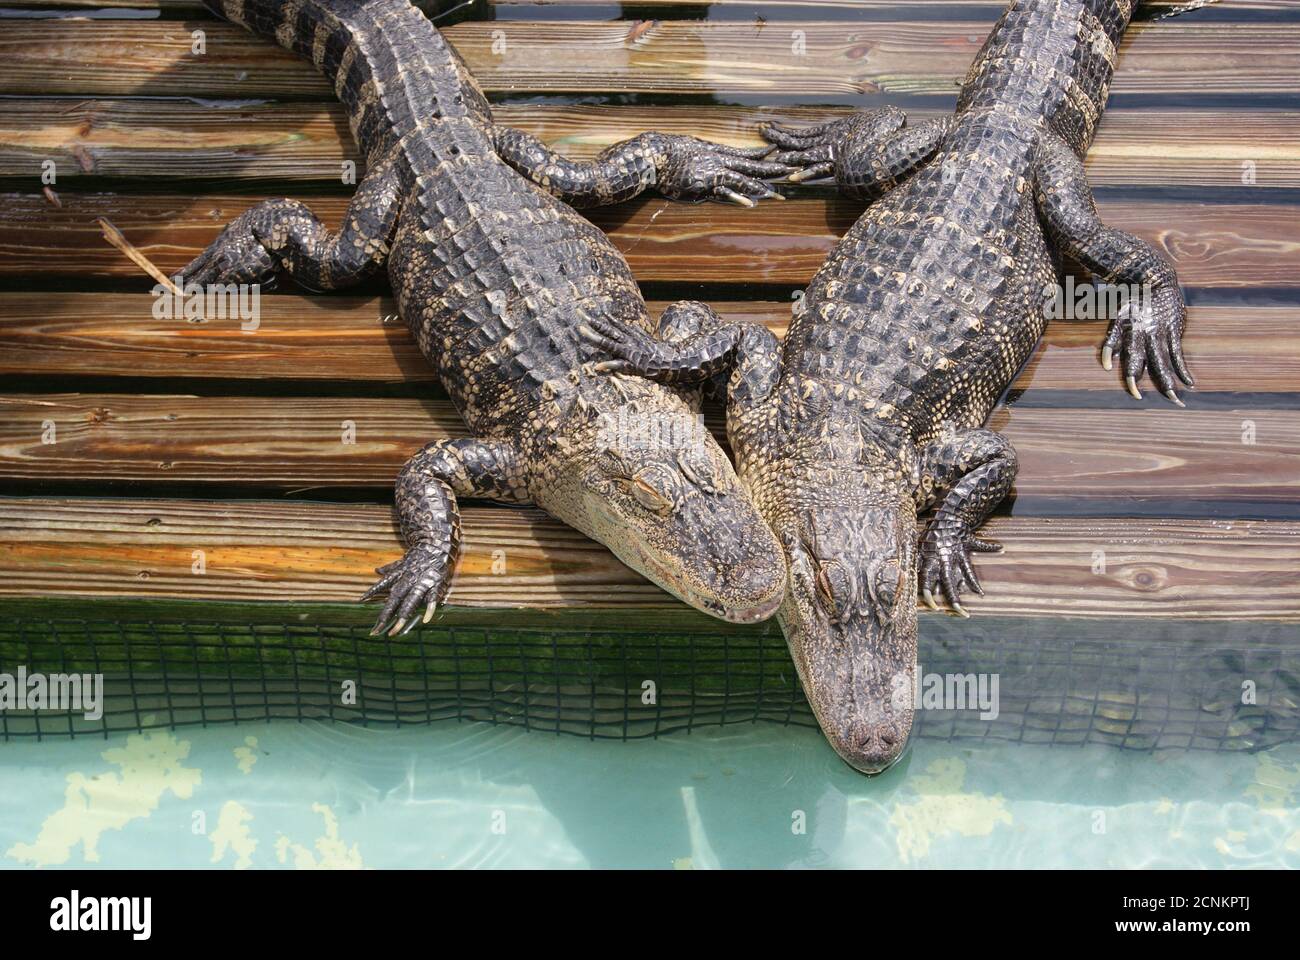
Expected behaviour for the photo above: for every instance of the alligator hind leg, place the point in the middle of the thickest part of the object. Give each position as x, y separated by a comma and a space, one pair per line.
967, 473
285, 234
867, 153
1150, 327
679, 167
427, 489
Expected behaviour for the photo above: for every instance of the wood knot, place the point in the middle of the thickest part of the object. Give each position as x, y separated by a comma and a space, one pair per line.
1146, 579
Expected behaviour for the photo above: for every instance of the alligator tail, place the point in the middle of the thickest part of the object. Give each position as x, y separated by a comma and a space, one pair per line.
387, 63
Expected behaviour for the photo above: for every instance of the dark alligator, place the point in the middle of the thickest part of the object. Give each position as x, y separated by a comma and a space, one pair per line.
870, 413
494, 274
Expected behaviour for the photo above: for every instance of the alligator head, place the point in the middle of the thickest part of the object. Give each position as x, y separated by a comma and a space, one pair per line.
656, 488
850, 618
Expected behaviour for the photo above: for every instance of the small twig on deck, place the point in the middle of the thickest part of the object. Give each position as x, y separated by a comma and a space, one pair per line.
114, 236
640, 29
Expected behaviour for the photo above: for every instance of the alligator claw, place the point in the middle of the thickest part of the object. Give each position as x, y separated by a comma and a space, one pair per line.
1149, 336
814, 150
236, 256
419, 577
632, 349
728, 194
946, 565
816, 172
694, 169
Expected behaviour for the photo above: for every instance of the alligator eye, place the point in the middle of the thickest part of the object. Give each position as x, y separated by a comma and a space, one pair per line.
651, 488
889, 583
832, 587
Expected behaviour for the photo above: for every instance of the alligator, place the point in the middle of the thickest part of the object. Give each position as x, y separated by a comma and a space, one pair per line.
494, 271
870, 413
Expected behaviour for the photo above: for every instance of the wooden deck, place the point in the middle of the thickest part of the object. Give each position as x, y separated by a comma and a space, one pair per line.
174, 437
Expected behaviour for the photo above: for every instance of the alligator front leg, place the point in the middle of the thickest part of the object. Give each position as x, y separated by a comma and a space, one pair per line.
679, 167
1150, 328
868, 153
427, 489
968, 473
748, 354
285, 235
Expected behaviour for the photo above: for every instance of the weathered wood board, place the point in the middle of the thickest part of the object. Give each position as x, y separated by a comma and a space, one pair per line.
351, 338
167, 140
1208, 180
673, 57
1182, 569
304, 444
1236, 245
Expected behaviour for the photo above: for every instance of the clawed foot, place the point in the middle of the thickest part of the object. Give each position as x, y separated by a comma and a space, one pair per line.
945, 562
632, 349
421, 576
696, 169
236, 256
1150, 335
814, 150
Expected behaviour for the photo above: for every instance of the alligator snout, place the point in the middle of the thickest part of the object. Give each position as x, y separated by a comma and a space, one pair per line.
850, 621
754, 590
873, 747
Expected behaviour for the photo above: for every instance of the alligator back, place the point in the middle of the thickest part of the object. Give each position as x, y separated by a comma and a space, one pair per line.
493, 274
934, 298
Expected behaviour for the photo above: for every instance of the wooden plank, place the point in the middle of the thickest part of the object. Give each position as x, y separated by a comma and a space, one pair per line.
301, 552
1222, 245
305, 338
317, 443
154, 58
166, 140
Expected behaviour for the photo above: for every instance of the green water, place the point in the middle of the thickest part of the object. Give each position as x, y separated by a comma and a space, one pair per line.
287, 795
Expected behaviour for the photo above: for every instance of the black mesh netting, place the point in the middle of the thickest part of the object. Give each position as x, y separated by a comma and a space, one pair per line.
1198, 686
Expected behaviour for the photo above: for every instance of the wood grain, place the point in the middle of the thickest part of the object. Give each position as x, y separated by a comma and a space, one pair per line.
305, 338
154, 58
1149, 453
301, 552
169, 140
1223, 245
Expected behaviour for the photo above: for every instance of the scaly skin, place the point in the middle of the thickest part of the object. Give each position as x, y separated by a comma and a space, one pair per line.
495, 275
870, 413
